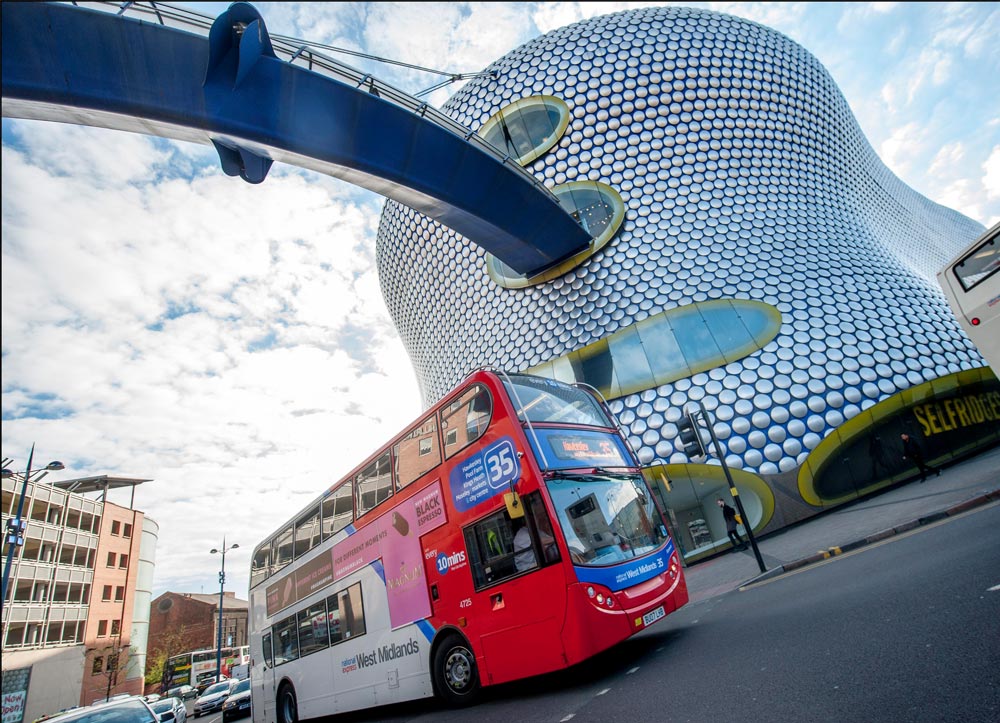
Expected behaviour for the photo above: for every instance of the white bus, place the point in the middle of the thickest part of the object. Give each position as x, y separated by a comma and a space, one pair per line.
972, 285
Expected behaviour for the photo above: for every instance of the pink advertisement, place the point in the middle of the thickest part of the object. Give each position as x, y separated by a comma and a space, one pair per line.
393, 538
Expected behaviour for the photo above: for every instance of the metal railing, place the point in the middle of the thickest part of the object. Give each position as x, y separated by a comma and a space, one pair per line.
299, 52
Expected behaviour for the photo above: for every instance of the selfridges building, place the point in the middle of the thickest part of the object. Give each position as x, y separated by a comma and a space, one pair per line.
751, 253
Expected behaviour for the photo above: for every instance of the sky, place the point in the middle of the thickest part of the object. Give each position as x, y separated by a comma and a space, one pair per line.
229, 342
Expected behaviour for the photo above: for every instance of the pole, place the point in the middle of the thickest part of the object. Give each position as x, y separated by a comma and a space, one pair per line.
15, 531
732, 487
222, 587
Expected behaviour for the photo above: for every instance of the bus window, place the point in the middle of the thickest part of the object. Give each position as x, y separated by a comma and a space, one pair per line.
286, 641
500, 547
266, 643
979, 265
490, 543
465, 419
281, 552
338, 510
418, 452
346, 614
374, 484
312, 629
260, 568
307, 532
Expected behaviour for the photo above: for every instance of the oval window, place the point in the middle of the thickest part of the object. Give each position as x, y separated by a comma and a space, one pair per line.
596, 207
671, 345
528, 127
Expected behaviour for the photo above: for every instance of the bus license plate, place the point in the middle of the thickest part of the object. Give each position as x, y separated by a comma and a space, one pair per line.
652, 616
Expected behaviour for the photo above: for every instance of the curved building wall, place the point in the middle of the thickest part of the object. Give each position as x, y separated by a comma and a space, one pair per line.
143, 597
744, 177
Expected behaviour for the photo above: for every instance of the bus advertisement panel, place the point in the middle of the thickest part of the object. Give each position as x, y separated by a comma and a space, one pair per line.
512, 516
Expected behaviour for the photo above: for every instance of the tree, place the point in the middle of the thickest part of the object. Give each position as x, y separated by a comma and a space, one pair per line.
167, 644
112, 660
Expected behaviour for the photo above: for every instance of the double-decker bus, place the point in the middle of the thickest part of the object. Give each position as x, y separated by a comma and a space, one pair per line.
193, 667
972, 286
506, 533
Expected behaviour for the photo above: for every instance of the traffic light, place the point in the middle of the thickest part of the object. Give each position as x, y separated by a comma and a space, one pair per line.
690, 437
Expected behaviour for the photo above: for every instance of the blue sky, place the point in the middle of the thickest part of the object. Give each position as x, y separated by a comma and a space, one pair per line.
229, 342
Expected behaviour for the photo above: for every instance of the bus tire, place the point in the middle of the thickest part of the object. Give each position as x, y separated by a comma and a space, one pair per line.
456, 676
287, 708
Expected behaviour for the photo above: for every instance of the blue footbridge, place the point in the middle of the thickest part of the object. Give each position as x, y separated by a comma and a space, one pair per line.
166, 71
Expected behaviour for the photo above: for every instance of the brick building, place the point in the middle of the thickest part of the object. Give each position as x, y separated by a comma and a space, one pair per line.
182, 622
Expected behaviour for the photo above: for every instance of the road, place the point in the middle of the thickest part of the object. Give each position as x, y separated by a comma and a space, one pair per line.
905, 630
210, 717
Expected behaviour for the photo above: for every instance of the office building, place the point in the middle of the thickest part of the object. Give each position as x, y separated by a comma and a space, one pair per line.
76, 616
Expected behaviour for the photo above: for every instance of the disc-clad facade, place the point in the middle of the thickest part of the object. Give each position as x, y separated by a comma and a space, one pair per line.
768, 265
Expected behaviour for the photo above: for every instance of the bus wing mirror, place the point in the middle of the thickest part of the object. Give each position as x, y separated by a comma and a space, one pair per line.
515, 508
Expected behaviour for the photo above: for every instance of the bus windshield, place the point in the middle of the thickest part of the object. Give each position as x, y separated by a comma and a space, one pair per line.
548, 401
606, 519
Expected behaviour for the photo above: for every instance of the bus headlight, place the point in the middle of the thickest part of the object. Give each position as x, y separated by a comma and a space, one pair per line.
600, 596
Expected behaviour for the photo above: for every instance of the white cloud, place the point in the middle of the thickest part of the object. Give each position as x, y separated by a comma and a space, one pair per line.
230, 341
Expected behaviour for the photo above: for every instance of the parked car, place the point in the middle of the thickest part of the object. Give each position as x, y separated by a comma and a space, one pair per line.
131, 709
169, 709
184, 692
213, 698
237, 705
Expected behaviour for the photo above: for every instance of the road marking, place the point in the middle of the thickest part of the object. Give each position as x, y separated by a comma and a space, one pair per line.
632, 671
994, 588
606, 690
569, 717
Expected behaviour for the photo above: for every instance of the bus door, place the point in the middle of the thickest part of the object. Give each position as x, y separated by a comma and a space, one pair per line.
521, 592
264, 694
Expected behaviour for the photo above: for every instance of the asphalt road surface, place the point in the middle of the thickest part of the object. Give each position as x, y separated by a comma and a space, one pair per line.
904, 630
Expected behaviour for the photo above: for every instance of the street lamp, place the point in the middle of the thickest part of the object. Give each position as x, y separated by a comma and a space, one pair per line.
16, 526
222, 587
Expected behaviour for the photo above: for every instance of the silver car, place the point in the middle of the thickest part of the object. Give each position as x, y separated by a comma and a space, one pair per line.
213, 698
169, 709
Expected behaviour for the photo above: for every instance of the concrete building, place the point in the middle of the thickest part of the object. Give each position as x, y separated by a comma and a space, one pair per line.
751, 253
75, 617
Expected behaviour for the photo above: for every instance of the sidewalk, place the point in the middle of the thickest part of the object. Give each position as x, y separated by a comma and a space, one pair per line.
967, 484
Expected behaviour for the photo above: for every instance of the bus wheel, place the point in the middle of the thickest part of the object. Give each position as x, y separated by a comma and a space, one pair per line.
288, 711
456, 678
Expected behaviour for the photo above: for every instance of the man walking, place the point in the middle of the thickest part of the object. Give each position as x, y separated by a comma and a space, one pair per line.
729, 515
912, 452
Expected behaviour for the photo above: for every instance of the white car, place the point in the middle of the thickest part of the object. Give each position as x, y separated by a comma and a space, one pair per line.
128, 709
213, 698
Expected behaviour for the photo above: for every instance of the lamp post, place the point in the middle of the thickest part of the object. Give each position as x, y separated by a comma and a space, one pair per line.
15, 526
222, 587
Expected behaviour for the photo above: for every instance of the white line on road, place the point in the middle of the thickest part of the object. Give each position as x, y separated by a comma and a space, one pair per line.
569, 717
994, 588
606, 690
632, 671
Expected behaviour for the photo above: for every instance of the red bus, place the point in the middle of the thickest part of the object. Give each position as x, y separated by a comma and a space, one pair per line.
511, 517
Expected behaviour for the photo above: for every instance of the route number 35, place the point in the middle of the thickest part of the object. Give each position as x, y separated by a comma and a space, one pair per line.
501, 464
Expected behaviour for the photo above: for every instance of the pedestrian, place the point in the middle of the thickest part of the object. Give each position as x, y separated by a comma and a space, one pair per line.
729, 515
912, 452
